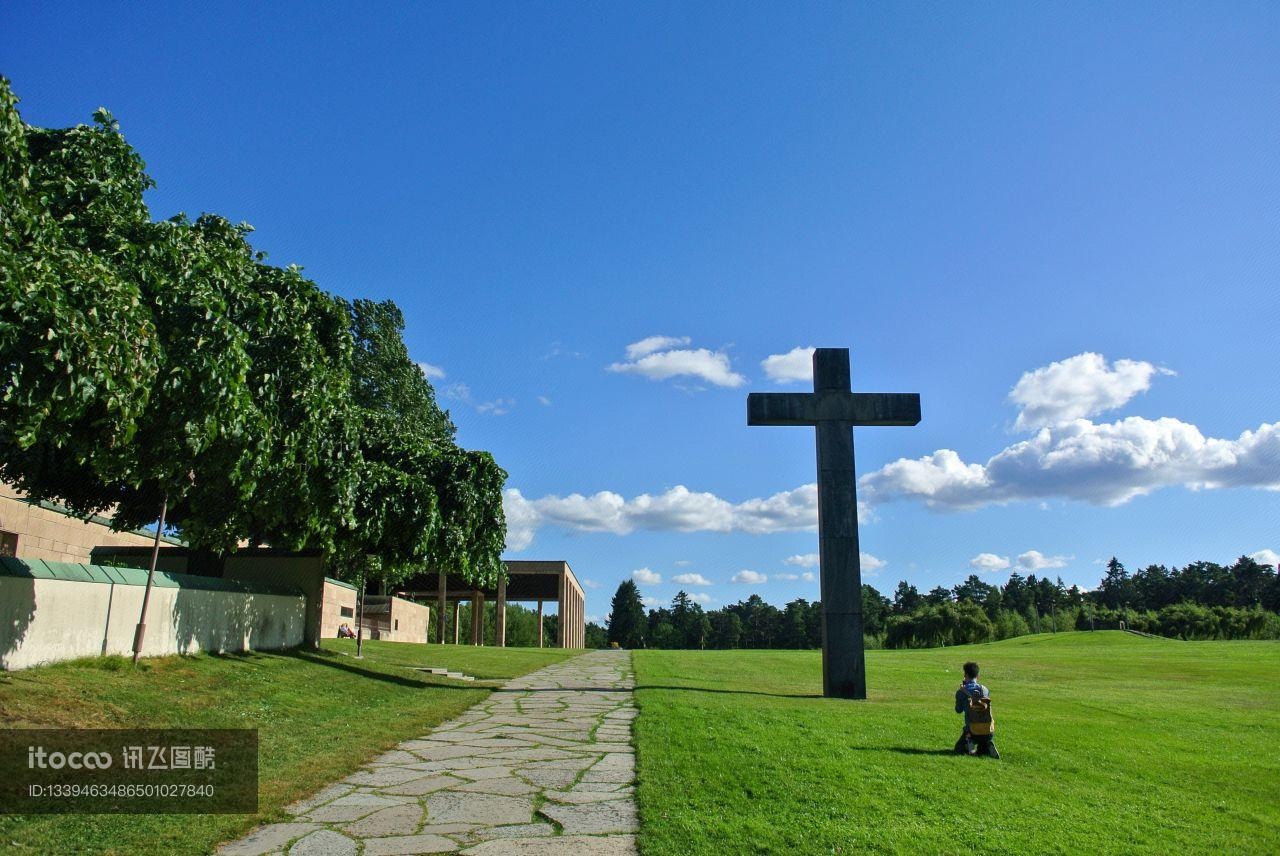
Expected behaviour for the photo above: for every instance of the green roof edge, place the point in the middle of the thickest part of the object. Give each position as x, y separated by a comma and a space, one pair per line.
76, 572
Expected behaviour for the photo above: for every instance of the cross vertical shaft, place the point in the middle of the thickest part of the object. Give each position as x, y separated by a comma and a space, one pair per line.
844, 673
833, 409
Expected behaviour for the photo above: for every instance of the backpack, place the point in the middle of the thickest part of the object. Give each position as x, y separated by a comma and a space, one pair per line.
981, 722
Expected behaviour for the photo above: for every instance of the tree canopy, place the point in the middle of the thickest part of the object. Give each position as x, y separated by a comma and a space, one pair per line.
148, 361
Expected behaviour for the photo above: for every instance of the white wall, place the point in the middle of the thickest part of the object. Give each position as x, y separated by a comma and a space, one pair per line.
47, 620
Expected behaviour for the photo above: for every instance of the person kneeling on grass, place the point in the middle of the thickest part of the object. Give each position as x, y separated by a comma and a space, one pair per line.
974, 701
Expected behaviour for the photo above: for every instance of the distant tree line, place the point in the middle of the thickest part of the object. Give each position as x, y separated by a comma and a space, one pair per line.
1203, 600
149, 365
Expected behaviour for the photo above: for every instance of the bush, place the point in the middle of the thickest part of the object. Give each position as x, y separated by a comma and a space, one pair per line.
961, 623
1009, 624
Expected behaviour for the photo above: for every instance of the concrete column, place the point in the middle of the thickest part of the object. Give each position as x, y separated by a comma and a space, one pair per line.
582, 620
539, 624
442, 606
561, 609
477, 618
457, 623
500, 615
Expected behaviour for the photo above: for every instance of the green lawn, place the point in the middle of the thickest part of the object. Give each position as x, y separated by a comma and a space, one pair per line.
1111, 743
318, 715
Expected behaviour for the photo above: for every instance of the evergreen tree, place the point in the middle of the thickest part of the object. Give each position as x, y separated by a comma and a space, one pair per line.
906, 598
627, 623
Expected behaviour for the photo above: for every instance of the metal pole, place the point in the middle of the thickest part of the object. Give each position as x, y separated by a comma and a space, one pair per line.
360, 618
141, 631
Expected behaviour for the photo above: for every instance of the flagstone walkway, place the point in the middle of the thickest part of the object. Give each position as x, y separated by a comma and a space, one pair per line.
544, 765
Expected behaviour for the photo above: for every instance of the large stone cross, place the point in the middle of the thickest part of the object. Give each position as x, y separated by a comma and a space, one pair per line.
834, 409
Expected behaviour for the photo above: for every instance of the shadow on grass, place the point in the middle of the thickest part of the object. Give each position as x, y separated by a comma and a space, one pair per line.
400, 680
727, 692
905, 750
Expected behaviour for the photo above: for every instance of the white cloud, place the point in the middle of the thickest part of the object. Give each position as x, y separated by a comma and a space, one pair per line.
658, 358
1034, 560
591, 584
522, 520
1266, 557
676, 510
558, 349
809, 577
431, 372
653, 602
786, 576
870, 563
497, 407
1079, 386
794, 365
691, 580
651, 344
989, 563
460, 392
1104, 464
644, 576
544, 401
701, 597
682, 563
750, 577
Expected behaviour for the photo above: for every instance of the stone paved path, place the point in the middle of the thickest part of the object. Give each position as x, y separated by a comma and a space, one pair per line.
542, 766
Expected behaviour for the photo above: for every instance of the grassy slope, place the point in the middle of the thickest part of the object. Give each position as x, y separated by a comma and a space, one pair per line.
319, 715
1111, 744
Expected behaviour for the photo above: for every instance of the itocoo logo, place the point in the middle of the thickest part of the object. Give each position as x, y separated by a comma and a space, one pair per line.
39, 759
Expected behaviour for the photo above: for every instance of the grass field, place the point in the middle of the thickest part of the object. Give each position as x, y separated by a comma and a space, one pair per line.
1111, 743
318, 715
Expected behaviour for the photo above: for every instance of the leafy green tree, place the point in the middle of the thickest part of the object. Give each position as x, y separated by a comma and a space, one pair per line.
595, 636
726, 629
793, 631
417, 499
664, 635
875, 610
78, 350
199, 421
627, 624
163, 363
813, 625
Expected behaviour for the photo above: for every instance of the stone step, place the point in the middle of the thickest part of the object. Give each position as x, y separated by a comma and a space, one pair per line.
436, 670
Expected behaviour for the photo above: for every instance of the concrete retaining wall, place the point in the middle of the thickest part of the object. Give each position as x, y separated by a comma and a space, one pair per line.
52, 611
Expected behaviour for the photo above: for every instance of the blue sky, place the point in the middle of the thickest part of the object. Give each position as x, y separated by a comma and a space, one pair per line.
1058, 225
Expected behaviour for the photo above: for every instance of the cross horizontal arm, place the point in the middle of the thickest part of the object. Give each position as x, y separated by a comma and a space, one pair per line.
859, 408
782, 408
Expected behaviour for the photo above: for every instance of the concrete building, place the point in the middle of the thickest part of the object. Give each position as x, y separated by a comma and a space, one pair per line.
43, 530
394, 619
528, 581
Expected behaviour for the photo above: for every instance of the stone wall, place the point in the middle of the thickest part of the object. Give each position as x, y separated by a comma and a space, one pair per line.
52, 611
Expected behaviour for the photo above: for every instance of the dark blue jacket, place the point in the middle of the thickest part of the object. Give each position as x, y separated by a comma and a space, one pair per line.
962, 698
